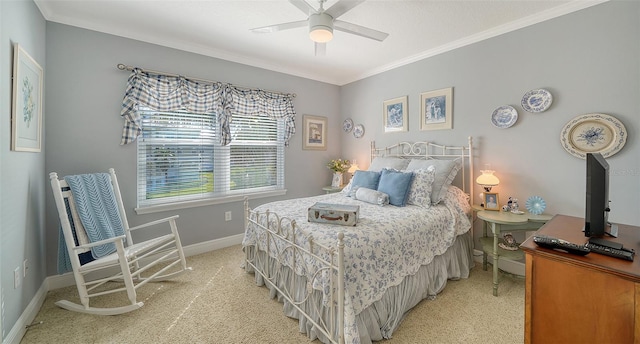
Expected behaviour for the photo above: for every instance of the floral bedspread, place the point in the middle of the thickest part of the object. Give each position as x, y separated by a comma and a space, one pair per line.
387, 244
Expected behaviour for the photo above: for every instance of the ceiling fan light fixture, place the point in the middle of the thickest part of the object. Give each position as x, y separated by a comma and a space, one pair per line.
320, 27
321, 35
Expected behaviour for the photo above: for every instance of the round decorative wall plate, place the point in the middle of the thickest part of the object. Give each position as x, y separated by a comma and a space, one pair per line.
504, 116
593, 133
358, 131
347, 125
535, 205
536, 100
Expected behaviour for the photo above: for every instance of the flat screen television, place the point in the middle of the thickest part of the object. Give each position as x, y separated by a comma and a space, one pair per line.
597, 197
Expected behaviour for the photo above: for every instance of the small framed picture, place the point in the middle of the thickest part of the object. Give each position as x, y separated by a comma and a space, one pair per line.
26, 111
436, 109
314, 132
395, 115
491, 201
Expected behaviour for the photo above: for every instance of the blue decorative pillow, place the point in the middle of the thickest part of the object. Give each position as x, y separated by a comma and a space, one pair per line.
365, 179
396, 184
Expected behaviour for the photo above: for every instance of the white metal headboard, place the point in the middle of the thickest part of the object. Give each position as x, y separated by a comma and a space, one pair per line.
430, 150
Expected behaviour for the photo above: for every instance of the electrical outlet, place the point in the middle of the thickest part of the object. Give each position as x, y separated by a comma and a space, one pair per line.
16, 278
227, 215
25, 266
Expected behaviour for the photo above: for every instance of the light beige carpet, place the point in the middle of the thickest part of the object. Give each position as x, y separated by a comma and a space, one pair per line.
219, 303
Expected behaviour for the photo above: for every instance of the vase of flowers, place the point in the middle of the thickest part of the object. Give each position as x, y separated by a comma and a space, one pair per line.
339, 167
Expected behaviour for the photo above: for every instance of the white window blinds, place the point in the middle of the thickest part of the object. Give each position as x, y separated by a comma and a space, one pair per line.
181, 159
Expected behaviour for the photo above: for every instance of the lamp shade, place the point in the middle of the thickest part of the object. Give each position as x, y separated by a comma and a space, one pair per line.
487, 179
354, 167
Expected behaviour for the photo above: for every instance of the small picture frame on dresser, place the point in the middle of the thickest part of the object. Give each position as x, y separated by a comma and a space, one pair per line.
491, 201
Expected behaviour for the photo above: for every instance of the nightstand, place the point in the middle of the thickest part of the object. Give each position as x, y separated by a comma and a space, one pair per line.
332, 189
499, 222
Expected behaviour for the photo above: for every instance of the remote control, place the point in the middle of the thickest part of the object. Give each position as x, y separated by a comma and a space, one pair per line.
605, 243
559, 244
621, 253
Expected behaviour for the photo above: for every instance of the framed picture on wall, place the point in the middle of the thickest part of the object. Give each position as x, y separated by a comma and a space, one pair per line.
26, 111
436, 109
314, 132
395, 115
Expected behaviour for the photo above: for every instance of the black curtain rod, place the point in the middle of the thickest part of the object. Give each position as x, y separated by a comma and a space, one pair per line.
122, 66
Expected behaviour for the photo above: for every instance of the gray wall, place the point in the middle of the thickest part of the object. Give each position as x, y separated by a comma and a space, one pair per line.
84, 97
22, 181
589, 60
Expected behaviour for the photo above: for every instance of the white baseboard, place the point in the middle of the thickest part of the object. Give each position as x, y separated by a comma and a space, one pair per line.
59, 281
20, 328
212, 245
510, 266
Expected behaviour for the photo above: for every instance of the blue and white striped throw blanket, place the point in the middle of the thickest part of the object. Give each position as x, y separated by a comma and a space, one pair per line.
97, 208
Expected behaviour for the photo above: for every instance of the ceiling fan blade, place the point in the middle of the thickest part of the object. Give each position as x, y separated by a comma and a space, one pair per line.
320, 49
359, 30
341, 7
303, 6
280, 27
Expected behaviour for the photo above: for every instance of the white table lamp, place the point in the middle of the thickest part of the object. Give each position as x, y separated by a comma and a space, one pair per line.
354, 167
487, 180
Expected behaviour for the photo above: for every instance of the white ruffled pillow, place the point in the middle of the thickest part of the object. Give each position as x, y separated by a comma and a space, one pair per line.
458, 202
381, 162
446, 171
421, 187
372, 196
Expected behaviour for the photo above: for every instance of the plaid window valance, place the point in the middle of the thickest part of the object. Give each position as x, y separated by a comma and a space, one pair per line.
177, 93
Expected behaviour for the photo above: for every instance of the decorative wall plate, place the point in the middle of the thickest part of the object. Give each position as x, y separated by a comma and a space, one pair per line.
593, 133
535, 205
504, 116
347, 125
358, 131
536, 100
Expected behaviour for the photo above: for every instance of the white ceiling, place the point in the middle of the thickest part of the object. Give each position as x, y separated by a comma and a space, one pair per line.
221, 29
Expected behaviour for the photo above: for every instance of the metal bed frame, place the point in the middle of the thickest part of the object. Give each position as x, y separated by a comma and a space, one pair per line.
281, 240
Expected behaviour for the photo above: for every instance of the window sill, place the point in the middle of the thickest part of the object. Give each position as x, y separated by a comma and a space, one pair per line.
205, 202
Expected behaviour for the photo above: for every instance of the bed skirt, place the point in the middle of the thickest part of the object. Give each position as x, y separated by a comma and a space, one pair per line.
379, 320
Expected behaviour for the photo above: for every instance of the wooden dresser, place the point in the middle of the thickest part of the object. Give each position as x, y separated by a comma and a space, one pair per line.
581, 299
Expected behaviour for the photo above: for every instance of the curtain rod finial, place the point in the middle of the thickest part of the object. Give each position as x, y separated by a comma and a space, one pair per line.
121, 66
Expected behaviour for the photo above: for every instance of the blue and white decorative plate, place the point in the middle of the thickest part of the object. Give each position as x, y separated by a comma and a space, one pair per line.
535, 205
504, 116
593, 133
347, 125
358, 131
536, 100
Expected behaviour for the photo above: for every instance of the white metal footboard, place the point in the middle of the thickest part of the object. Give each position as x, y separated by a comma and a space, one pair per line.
278, 241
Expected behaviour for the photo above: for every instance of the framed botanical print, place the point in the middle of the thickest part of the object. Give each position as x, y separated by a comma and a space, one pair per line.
26, 111
395, 115
436, 109
314, 132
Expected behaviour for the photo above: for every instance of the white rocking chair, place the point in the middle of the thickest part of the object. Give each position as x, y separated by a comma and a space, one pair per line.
130, 260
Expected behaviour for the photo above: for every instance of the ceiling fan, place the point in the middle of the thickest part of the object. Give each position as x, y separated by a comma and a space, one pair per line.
322, 22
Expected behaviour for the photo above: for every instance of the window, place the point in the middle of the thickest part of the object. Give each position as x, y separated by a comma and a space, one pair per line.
181, 160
